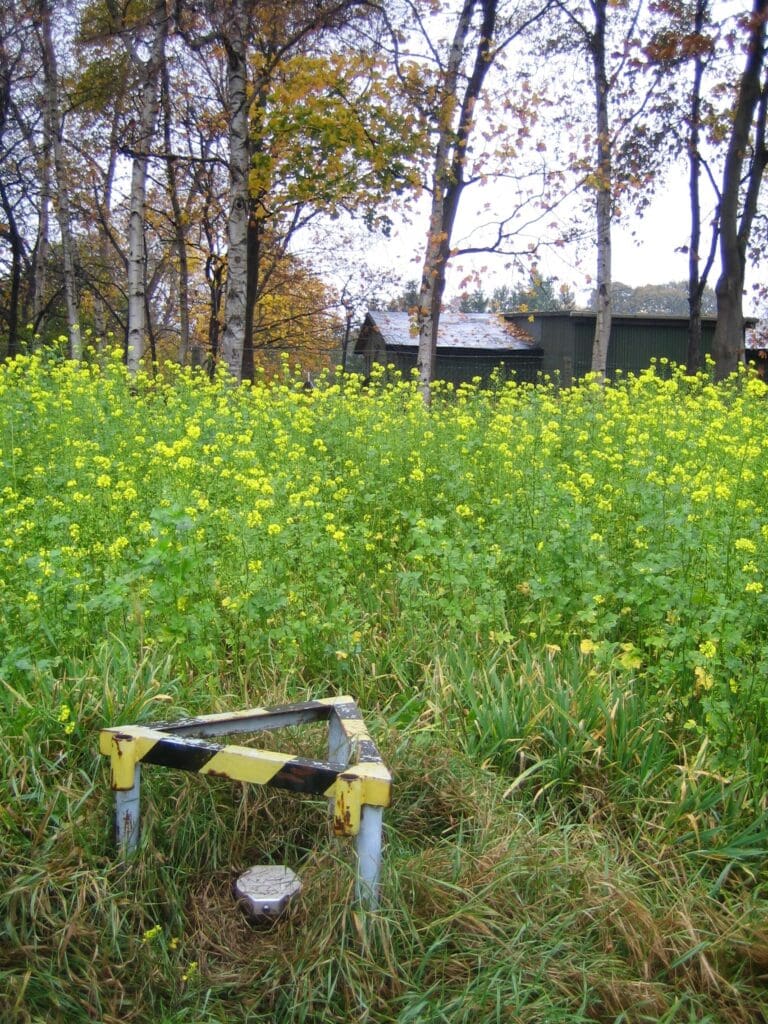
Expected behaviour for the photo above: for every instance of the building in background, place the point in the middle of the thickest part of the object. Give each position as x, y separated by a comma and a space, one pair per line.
636, 339
524, 345
469, 345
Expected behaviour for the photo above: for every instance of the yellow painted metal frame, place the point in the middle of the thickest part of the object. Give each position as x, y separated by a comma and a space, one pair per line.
365, 780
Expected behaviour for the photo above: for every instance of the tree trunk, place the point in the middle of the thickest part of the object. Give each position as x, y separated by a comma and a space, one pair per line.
448, 177
42, 243
256, 282
233, 336
693, 360
214, 274
178, 222
696, 280
99, 306
432, 288
150, 332
54, 128
255, 227
728, 341
346, 339
10, 229
150, 71
604, 194
729, 330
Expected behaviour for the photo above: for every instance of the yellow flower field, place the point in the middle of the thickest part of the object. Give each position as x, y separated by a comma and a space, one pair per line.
205, 522
550, 604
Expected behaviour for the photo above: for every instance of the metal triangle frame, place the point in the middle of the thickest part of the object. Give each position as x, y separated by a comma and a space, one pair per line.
354, 778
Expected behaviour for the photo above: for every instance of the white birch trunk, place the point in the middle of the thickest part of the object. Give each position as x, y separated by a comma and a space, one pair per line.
150, 75
62, 185
99, 307
178, 221
604, 313
233, 337
42, 245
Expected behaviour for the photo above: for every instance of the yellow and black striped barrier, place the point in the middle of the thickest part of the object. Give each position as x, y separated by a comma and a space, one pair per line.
354, 777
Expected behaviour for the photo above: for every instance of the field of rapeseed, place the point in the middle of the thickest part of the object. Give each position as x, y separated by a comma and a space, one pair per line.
551, 605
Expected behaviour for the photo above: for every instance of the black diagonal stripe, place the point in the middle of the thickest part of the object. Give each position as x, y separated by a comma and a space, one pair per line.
367, 752
190, 755
348, 712
301, 776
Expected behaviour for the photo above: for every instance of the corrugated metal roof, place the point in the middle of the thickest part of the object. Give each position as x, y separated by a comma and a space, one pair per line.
456, 331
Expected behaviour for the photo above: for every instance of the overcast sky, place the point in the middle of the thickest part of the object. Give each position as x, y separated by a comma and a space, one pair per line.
643, 248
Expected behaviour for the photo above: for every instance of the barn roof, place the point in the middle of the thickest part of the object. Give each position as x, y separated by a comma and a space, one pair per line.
470, 331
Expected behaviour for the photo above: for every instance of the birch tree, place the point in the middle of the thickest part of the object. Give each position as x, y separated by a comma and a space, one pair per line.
590, 25
235, 43
628, 136
54, 126
301, 142
149, 79
232, 26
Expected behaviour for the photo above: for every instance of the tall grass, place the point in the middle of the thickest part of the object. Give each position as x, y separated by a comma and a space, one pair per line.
548, 604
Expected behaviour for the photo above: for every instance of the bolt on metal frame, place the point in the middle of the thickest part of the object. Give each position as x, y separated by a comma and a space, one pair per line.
354, 778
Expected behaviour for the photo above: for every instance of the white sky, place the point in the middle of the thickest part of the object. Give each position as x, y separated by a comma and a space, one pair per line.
643, 249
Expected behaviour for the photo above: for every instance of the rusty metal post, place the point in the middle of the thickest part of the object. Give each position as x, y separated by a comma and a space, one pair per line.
368, 843
127, 811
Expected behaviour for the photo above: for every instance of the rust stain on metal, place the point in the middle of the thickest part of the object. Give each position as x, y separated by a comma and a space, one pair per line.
342, 815
117, 738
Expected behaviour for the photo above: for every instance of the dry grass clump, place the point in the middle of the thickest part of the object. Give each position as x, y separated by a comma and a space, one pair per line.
508, 893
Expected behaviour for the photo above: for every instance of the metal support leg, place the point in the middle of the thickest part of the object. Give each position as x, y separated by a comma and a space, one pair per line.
339, 747
127, 810
369, 855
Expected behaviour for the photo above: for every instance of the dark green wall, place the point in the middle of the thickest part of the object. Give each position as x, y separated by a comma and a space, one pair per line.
566, 339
